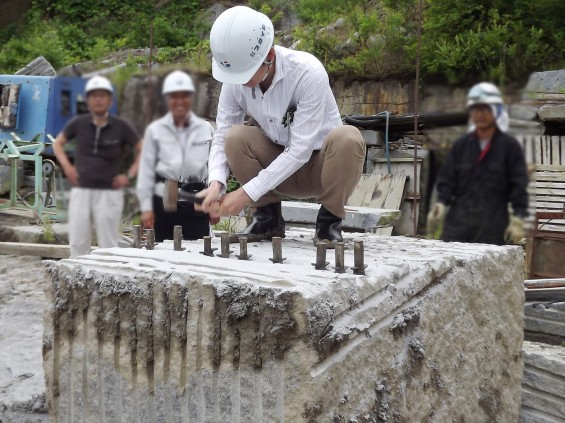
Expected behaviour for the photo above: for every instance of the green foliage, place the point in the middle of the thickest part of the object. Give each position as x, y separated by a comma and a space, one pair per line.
462, 41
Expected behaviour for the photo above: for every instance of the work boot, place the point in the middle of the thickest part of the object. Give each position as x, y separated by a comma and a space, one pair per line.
267, 223
328, 227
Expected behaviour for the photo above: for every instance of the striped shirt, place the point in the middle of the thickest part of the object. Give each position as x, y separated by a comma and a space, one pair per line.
301, 83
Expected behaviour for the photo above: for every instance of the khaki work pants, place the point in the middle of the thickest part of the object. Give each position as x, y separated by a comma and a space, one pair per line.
98, 208
329, 176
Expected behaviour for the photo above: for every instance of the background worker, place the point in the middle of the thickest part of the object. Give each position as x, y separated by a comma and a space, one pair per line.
484, 172
176, 147
299, 148
97, 197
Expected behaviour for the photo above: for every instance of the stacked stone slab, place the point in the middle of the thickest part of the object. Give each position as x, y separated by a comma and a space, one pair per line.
543, 385
432, 333
545, 321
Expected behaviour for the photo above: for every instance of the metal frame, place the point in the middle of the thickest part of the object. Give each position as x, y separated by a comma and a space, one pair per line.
19, 149
538, 235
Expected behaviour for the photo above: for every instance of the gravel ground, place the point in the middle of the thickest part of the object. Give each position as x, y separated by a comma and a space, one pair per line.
22, 385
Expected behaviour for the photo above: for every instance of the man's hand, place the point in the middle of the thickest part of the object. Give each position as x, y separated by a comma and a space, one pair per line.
211, 203
515, 230
435, 216
234, 202
120, 181
71, 174
148, 219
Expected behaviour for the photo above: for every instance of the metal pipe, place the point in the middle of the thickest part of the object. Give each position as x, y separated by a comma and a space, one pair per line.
149, 239
136, 235
177, 238
359, 258
321, 249
277, 250
243, 249
208, 250
340, 257
225, 245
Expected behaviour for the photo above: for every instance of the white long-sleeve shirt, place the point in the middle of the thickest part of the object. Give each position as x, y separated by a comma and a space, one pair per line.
174, 153
300, 82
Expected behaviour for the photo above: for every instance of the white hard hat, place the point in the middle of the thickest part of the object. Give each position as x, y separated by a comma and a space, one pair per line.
484, 93
240, 40
177, 81
99, 83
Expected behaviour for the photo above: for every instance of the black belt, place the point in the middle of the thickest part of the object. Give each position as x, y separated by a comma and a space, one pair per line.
196, 186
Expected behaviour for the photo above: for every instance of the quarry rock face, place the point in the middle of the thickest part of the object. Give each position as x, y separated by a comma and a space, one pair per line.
431, 333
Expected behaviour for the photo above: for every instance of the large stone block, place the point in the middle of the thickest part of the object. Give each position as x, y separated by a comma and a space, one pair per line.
543, 385
431, 333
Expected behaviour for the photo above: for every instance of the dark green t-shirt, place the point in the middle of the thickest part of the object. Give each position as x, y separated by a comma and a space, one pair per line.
99, 150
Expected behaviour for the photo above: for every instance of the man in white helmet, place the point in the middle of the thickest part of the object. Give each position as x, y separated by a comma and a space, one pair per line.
175, 147
97, 196
299, 148
483, 173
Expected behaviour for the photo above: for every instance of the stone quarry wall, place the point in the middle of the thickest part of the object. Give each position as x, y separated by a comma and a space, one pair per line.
432, 333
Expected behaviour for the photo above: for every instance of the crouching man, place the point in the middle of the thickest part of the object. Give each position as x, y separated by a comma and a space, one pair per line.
300, 147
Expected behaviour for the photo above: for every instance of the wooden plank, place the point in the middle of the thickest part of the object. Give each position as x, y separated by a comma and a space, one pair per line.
546, 150
29, 249
550, 176
562, 144
555, 151
547, 184
537, 150
396, 192
364, 190
551, 191
550, 168
551, 206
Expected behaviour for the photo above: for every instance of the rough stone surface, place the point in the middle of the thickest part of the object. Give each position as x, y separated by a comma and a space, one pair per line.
548, 318
552, 113
22, 388
431, 333
543, 384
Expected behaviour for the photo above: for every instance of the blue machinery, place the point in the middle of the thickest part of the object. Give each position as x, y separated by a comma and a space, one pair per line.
33, 109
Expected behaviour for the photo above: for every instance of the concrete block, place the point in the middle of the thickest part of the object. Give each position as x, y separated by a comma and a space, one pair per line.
543, 384
552, 113
431, 333
363, 218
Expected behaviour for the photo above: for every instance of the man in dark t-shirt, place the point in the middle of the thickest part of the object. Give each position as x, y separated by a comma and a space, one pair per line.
97, 197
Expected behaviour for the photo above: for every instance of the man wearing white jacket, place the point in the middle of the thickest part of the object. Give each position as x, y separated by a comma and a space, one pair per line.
176, 147
299, 147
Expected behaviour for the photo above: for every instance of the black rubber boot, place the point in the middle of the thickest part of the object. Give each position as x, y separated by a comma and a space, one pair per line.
267, 223
328, 227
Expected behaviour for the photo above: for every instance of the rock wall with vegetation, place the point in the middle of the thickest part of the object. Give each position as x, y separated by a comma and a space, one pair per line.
462, 41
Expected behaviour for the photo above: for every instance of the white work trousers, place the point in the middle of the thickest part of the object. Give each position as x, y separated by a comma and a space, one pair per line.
101, 208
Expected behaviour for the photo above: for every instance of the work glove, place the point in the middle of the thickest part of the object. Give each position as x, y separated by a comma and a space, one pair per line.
435, 216
515, 230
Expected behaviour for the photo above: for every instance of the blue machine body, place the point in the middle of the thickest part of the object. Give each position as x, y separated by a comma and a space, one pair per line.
45, 105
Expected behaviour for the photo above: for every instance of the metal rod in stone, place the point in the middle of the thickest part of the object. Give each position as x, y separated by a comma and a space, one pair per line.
340, 257
208, 250
321, 249
136, 235
149, 239
225, 245
243, 249
177, 238
359, 258
277, 250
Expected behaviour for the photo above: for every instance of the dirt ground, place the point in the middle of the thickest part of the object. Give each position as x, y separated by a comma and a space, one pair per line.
22, 386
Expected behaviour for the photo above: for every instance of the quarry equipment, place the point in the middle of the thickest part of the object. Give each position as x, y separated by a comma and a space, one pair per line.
33, 109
